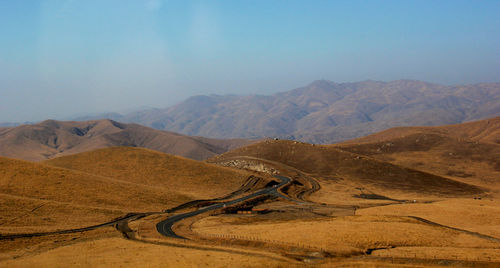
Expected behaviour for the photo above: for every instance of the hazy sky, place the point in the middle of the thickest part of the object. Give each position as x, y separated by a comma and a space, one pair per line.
60, 58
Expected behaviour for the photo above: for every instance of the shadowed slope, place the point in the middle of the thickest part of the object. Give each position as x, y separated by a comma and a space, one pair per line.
51, 139
327, 161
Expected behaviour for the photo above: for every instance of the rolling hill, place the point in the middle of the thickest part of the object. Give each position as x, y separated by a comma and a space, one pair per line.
374, 201
324, 111
484, 131
51, 138
155, 169
331, 165
468, 152
98, 186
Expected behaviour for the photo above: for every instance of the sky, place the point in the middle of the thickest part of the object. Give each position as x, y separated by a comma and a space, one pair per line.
74, 57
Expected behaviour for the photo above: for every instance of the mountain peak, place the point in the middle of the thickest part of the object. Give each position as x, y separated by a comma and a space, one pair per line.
325, 112
322, 83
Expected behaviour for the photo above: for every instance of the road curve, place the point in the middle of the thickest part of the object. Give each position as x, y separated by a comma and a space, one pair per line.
165, 227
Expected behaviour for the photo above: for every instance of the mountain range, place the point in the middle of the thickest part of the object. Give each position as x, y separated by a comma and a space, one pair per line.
323, 111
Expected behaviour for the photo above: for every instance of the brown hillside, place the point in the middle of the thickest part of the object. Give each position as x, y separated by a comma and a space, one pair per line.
329, 162
452, 148
51, 139
39, 197
467, 152
486, 131
482, 131
146, 167
36, 196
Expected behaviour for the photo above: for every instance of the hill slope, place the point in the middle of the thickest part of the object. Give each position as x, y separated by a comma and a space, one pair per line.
51, 139
484, 131
330, 164
469, 152
95, 187
326, 112
156, 169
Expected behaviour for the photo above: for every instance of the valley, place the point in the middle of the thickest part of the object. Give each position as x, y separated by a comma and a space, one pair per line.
418, 197
329, 134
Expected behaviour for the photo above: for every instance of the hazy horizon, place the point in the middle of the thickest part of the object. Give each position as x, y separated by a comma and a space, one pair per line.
63, 58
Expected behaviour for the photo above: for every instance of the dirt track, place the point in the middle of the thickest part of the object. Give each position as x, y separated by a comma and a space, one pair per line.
165, 227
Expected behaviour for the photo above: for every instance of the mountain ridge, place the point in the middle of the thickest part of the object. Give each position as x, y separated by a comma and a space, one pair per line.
52, 138
325, 111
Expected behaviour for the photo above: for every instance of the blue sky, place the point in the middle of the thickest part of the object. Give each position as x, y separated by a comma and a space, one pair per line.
60, 58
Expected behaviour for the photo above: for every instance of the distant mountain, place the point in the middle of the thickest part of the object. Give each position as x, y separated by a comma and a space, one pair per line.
111, 116
50, 139
8, 124
324, 111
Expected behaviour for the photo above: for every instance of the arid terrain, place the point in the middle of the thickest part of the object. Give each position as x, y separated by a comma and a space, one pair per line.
324, 111
51, 138
404, 197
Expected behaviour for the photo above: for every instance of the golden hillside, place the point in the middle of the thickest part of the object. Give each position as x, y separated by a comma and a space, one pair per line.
485, 131
466, 152
155, 169
95, 187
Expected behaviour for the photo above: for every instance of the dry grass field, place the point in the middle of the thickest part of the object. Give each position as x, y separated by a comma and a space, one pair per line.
423, 191
99, 186
482, 216
30, 190
107, 248
336, 166
348, 235
468, 152
410, 197
148, 168
27, 215
123, 253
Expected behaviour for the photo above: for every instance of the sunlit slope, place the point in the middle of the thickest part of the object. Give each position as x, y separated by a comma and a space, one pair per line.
330, 162
155, 169
118, 252
352, 234
109, 183
485, 131
40, 197
34, 180
467, 152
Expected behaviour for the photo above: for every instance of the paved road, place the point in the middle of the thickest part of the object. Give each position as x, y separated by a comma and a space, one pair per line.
165, 227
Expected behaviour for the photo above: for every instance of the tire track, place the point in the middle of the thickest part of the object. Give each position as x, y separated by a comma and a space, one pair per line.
476, 234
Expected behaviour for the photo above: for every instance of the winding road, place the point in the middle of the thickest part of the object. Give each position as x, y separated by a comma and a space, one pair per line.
165, 227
